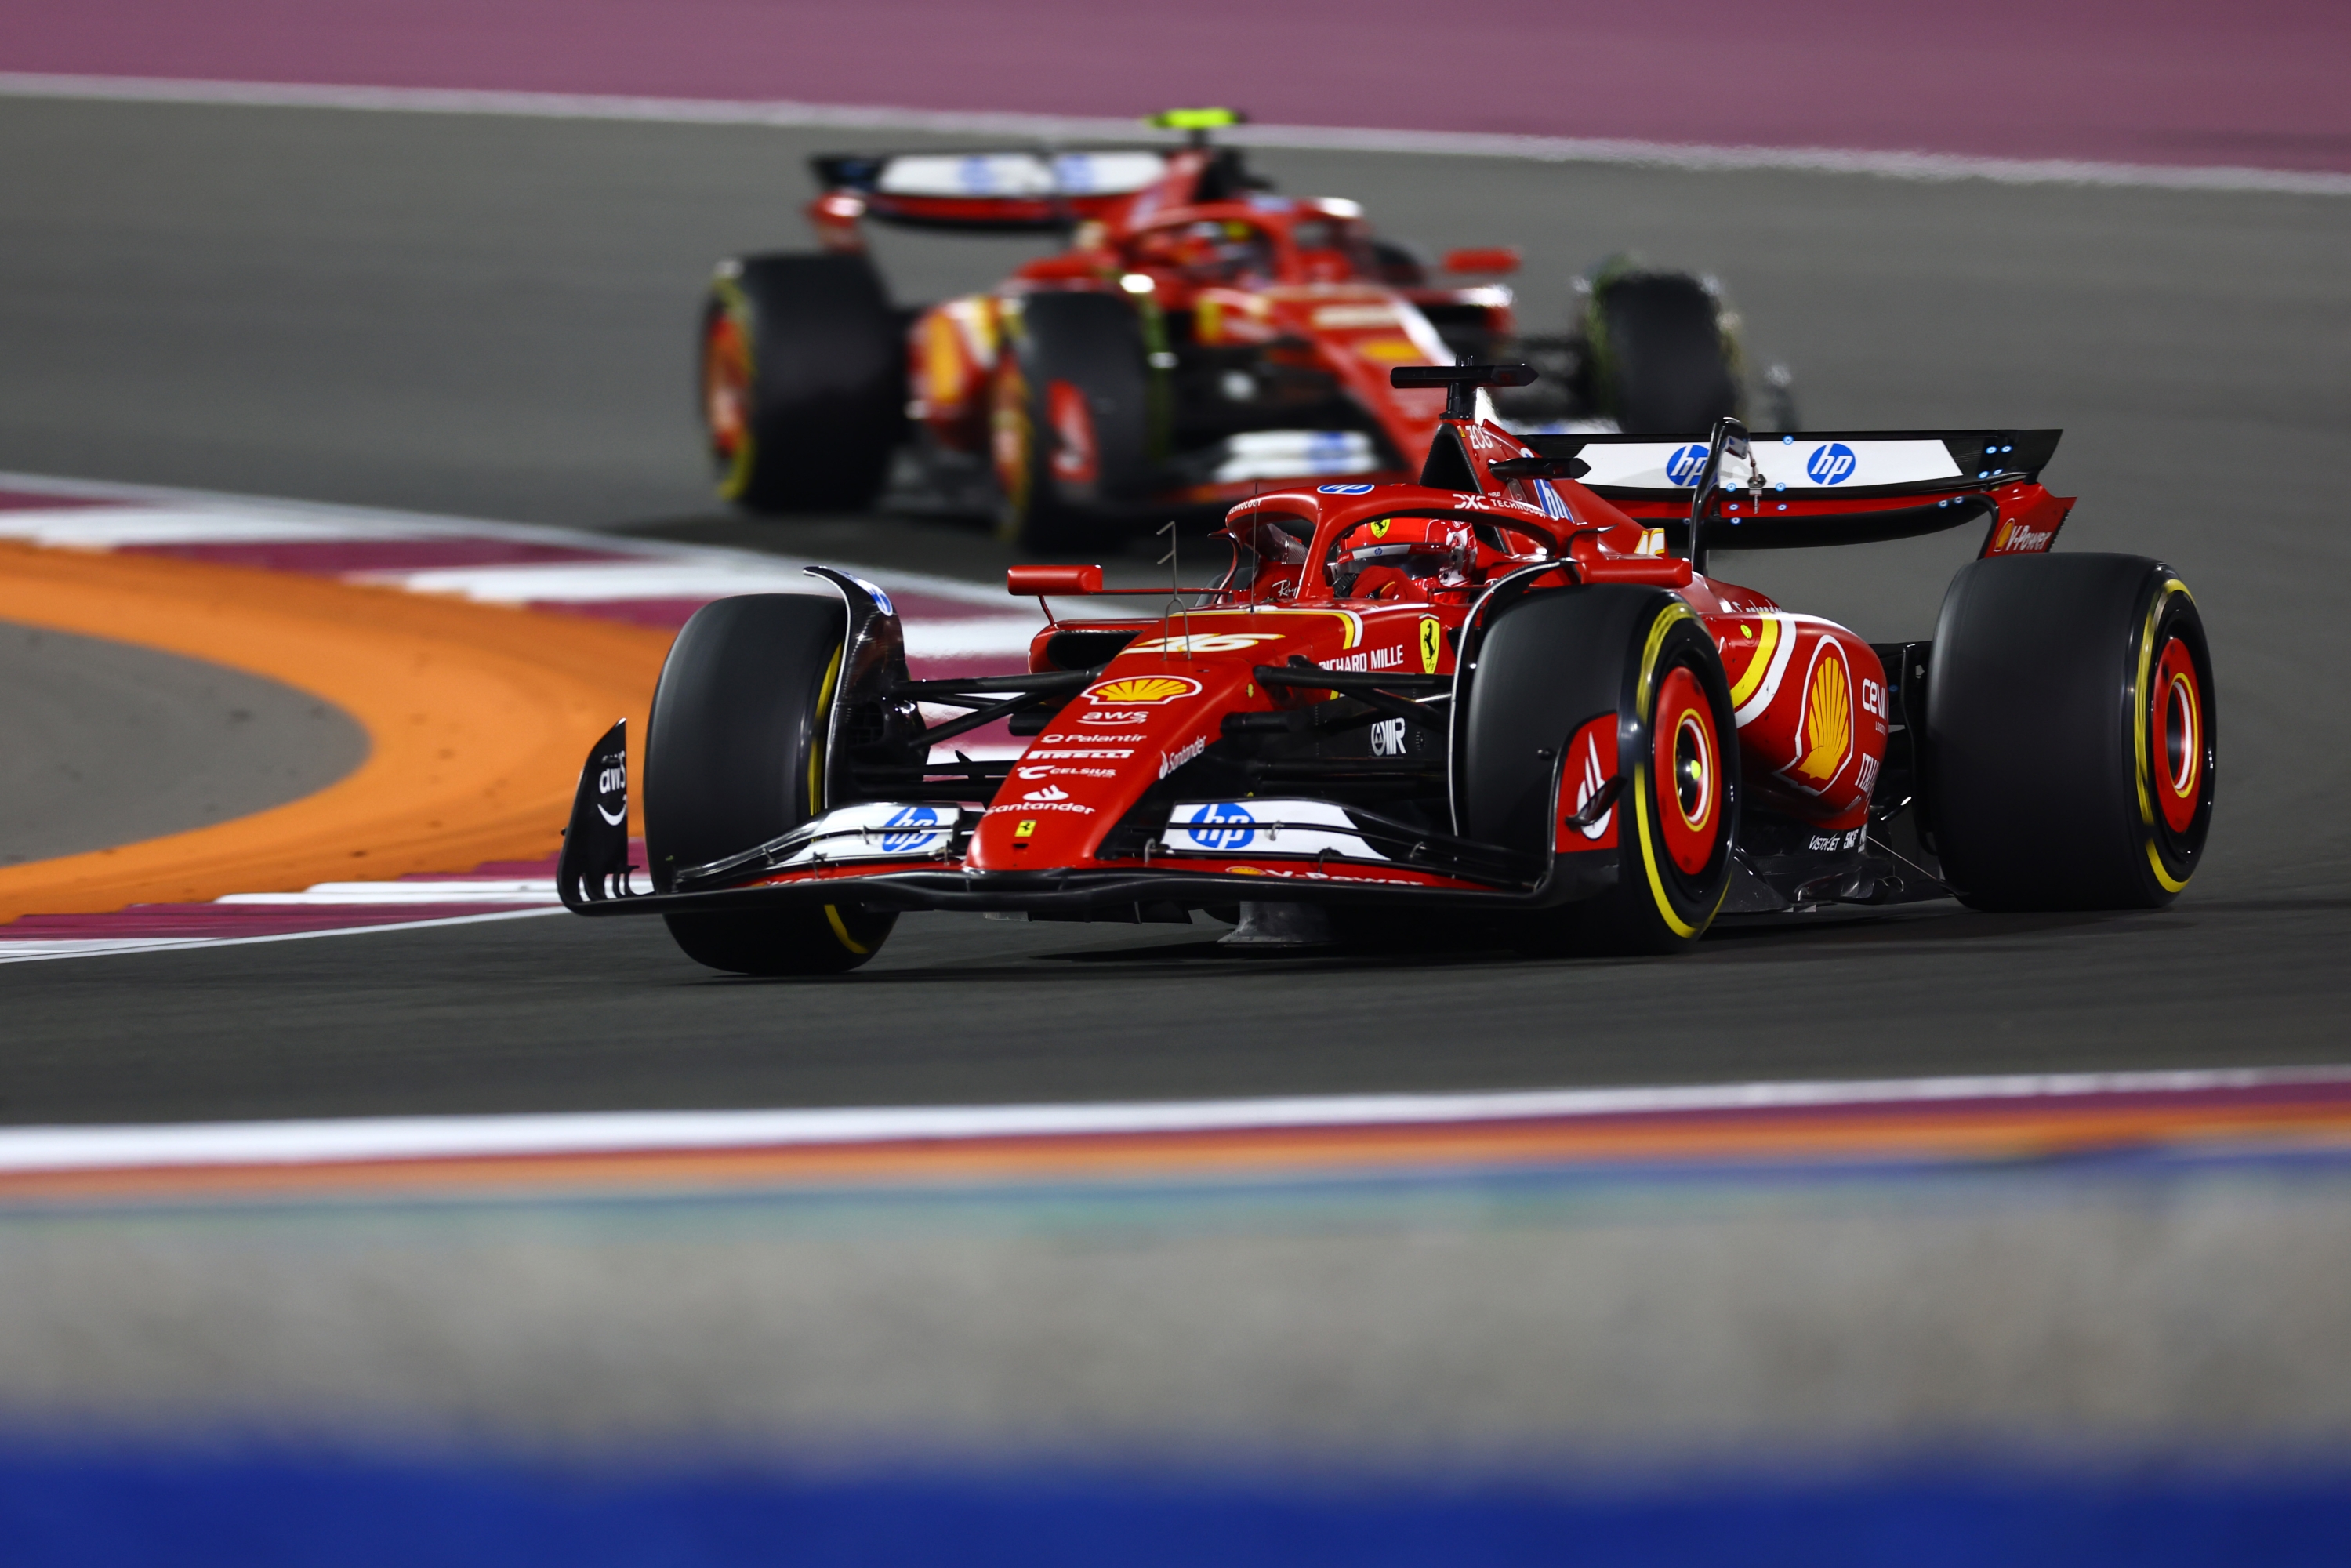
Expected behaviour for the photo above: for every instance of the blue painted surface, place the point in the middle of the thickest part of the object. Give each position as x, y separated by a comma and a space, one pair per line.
97, 1509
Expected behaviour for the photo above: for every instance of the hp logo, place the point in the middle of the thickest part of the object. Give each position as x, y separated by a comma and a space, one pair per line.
910, 829
1683, 465
1830, 465
1227, 825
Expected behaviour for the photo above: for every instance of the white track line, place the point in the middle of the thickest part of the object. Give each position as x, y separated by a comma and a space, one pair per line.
149, 514
1932, 166
34, 949
26, 1149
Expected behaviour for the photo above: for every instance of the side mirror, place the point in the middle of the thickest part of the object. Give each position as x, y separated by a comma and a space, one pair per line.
1492, 259
1038, 581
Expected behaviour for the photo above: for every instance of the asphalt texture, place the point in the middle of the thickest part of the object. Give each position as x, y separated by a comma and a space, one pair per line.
106, 744
494, 318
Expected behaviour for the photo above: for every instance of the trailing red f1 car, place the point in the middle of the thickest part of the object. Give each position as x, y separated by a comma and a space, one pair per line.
1199, 336
1511, 691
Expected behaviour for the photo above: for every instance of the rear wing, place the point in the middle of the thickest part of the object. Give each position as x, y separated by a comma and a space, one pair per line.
1025, 189
1830, 487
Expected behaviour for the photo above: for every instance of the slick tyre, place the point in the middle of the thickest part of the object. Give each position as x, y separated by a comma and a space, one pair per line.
1072, 420
803, 383
1639, 660
1661, 363
2072, 734
734, 758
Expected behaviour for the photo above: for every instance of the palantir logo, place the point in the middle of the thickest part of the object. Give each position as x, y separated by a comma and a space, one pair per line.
1831, 464
1226, 825
910, 828
1683, 465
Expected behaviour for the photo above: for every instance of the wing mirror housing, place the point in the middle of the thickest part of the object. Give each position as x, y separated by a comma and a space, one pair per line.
1038, 581
1492, 260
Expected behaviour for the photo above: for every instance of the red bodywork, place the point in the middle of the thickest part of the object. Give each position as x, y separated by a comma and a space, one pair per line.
1128, 795
1811, 698
1296, 278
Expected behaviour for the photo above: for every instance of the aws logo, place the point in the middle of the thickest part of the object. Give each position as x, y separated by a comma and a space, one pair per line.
1142, 691
1824, 732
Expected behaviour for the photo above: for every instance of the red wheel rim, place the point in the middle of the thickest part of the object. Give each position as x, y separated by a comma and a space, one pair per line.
725, 386
2178, 764
1687, 762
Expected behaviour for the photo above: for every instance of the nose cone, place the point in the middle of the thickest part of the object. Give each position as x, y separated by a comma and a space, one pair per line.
1100, 755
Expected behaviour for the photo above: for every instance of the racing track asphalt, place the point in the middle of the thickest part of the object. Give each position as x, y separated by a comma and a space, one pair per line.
492, 317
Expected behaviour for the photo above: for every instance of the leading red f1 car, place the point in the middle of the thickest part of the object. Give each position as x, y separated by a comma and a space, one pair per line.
1508, 696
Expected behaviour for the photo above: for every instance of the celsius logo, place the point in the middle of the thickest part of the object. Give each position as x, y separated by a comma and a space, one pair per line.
1226, 825
910, 828
1683, 467
1830, 465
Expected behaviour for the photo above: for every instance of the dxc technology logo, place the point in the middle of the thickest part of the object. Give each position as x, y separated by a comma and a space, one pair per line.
1227, 825
1831, 464
1683, 467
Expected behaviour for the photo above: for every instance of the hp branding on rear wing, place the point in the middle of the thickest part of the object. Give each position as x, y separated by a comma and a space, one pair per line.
992, 191
1791, 491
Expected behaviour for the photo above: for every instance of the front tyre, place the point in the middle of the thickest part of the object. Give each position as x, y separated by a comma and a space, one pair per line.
803, 381
2071, 733
734, 758
1640, 662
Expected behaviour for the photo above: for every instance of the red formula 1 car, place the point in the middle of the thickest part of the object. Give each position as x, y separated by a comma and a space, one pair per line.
1199, 337
1508, 696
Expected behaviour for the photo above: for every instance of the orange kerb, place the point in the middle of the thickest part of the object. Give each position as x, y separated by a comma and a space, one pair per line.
478, 717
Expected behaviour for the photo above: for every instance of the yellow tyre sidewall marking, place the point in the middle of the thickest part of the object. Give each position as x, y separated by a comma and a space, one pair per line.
1644, 702
2141, 742
738, 479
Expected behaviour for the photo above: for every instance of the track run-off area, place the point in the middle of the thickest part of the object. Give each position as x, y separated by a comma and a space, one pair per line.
318, 1118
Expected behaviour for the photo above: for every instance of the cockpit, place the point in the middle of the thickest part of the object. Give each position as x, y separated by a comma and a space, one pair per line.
1407, 556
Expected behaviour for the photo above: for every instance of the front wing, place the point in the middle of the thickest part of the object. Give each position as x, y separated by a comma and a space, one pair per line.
909, 856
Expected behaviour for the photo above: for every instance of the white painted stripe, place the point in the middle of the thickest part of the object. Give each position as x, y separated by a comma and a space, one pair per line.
328, 521
31, 949
59, 1148
113, 528
1932, 166
594, 581
355, 895
603, 582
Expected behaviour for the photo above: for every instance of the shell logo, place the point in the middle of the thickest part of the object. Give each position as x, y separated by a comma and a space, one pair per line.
1825, 734
1140, 691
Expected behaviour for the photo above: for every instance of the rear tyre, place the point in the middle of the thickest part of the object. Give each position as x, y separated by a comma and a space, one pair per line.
2071, 733
1550, 664
803, 381
1071, 419
734, 758
1661, 360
